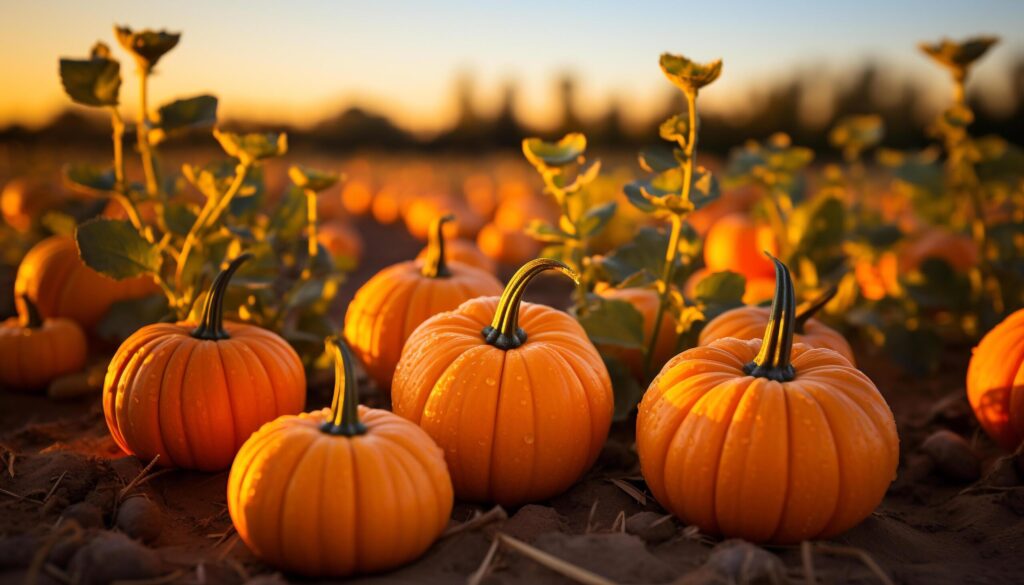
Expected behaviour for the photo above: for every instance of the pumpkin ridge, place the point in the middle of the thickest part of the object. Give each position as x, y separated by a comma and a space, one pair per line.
236, 405
408, 524
253, 360
291, 475
159, 431
132, 369
533, 406
494, 424
576, 364
788, 484
557, 357
720, 448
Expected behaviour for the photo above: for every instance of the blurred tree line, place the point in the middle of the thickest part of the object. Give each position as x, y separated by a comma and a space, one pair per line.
781, 107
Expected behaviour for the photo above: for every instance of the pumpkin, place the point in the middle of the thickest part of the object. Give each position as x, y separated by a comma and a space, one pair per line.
736, 243
756, 290
24, 199
957, 250
339, 491
54, 277
386, 206
357, 197
644, 300
466, 252
514, 393
749, 323
995, 382
506, 246
731, 202
342, 241
421, 212
764, 440
192, 394
386, 310
36, 351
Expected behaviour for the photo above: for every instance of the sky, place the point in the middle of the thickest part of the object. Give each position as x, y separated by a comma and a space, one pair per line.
301, 60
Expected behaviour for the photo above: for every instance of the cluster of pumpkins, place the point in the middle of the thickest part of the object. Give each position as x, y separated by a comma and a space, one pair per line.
765, 431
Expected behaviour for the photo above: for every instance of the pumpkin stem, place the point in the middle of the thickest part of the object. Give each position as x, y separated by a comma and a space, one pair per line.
344, 419
504, 331
30, 318
212, 325
436, 264
772, 361
805, 314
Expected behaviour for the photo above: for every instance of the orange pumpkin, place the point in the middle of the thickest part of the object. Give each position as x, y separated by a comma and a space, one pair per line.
644, 300
995, 382
386, 206
386, 310
357, 197
506, 246
23, 200
957, 250
339, 491
757, 290
421, 212
736, 243
766, 441
35, 351
514, 393
342, 241
749, 323
54, 277
192, 394
466, 252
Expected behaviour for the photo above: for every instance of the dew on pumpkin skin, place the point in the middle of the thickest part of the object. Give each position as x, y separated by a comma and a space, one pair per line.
528, 439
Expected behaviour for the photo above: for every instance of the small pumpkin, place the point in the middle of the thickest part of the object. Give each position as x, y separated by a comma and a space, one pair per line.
36, 351
194, 393
339, 491
506, 246
54, 277
764, 440
24, 199
644, 300
514, 393
342, 241
736, 243
357, 197
386, 310
749, 323
466, 252
995, 382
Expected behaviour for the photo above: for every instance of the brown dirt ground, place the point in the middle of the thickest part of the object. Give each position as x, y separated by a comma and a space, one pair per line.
929, 529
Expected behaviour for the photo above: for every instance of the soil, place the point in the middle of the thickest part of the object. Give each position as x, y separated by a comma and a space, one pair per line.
69, 511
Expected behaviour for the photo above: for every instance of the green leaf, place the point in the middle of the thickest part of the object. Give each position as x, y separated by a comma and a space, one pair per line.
689, 75
116, 249
182, 115
613, 322
126, 317
147, 46
625, 388
58, 223
543, 154
307, 178
179, 218
645, 252
657, 160
251, 148
596, 218
723, 288
91, 82
542, 231
214, 178
89, 180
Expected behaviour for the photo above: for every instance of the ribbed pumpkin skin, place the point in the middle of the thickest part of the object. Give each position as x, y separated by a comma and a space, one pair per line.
389, 307
762, 460
61, 285
194, 402
995, 382
324, 505
31, 357
518, 425
749, 323
466, 252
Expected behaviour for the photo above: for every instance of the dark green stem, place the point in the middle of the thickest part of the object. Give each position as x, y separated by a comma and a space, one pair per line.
212, 325
436, 264
772, 361
344, 419
30, 318
808, 312
504, 331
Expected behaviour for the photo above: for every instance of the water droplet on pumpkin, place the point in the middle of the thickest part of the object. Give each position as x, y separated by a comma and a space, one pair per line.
528, 439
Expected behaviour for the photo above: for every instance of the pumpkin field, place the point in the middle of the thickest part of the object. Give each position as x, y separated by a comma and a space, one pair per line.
235, 354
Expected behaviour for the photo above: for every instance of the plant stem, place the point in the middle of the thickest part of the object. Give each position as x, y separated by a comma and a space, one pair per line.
504, 331
435, 265
344, 419
211, 326
773, 360
311, 222
142, 134
208, 216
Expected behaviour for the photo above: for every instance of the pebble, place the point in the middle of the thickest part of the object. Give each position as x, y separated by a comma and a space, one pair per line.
953, 457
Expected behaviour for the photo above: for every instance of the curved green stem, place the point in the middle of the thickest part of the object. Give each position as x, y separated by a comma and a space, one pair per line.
664, 290
145, 150
30, 318
211, 327
504, 331
344, 419
812, 308
436, 263
772, 361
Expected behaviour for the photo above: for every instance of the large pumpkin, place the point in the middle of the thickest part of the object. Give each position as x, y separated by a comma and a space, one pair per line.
54, 277
192, 394
35, 351
386, 310
995, 382
514, 393
736, 243
339, 491
766, 441
749, 323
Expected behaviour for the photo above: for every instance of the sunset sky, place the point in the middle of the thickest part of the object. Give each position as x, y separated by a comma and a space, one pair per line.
300, 60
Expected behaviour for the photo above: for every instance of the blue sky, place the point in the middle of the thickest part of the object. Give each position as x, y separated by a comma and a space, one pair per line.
302, 59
